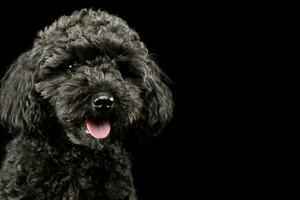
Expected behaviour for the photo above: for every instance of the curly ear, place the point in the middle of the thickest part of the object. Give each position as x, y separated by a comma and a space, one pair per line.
19, 110
158, 99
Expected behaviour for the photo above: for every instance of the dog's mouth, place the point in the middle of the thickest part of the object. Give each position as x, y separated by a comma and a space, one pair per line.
99, 129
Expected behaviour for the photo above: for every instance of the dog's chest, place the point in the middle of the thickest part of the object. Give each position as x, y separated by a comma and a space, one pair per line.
79, 174
88, 171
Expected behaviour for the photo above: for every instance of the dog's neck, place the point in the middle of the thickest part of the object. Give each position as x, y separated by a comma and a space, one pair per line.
65, 154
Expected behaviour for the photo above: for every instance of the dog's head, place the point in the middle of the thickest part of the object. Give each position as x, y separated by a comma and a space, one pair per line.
89, 75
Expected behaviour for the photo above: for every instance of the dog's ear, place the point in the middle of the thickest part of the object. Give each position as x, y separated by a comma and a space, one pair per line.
158, 101
19, 109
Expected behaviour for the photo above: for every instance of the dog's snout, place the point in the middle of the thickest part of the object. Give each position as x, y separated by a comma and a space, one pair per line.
104, 101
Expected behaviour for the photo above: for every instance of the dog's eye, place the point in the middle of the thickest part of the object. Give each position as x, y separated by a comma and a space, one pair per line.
62, 69
128, 71
71, 67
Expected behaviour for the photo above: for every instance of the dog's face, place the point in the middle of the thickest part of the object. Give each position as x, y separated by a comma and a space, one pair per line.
94, 97
91, 74
94, 94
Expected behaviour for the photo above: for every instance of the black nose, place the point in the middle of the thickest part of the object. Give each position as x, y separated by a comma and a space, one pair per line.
103, 102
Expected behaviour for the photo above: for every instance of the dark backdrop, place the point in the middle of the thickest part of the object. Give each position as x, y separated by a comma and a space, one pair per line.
207, 52
163, 168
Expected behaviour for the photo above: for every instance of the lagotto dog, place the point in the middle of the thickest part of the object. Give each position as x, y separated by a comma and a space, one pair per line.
71, 101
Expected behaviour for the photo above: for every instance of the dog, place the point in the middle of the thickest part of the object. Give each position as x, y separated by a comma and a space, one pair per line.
70, 101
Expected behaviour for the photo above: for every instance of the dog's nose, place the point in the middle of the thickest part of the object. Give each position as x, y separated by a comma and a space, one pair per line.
103, 102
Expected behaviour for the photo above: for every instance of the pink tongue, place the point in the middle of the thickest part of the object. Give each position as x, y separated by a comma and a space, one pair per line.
98, 130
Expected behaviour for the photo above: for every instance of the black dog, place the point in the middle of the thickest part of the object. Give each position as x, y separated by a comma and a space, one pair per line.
86, 85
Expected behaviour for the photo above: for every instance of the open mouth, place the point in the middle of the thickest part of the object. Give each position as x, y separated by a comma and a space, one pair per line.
99, 129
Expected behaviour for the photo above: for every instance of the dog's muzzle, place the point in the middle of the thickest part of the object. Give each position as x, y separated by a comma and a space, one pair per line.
98, 124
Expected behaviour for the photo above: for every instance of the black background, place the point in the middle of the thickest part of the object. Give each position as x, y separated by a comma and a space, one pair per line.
202, 151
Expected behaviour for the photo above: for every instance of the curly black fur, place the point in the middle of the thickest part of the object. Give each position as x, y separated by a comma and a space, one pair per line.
46, 98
